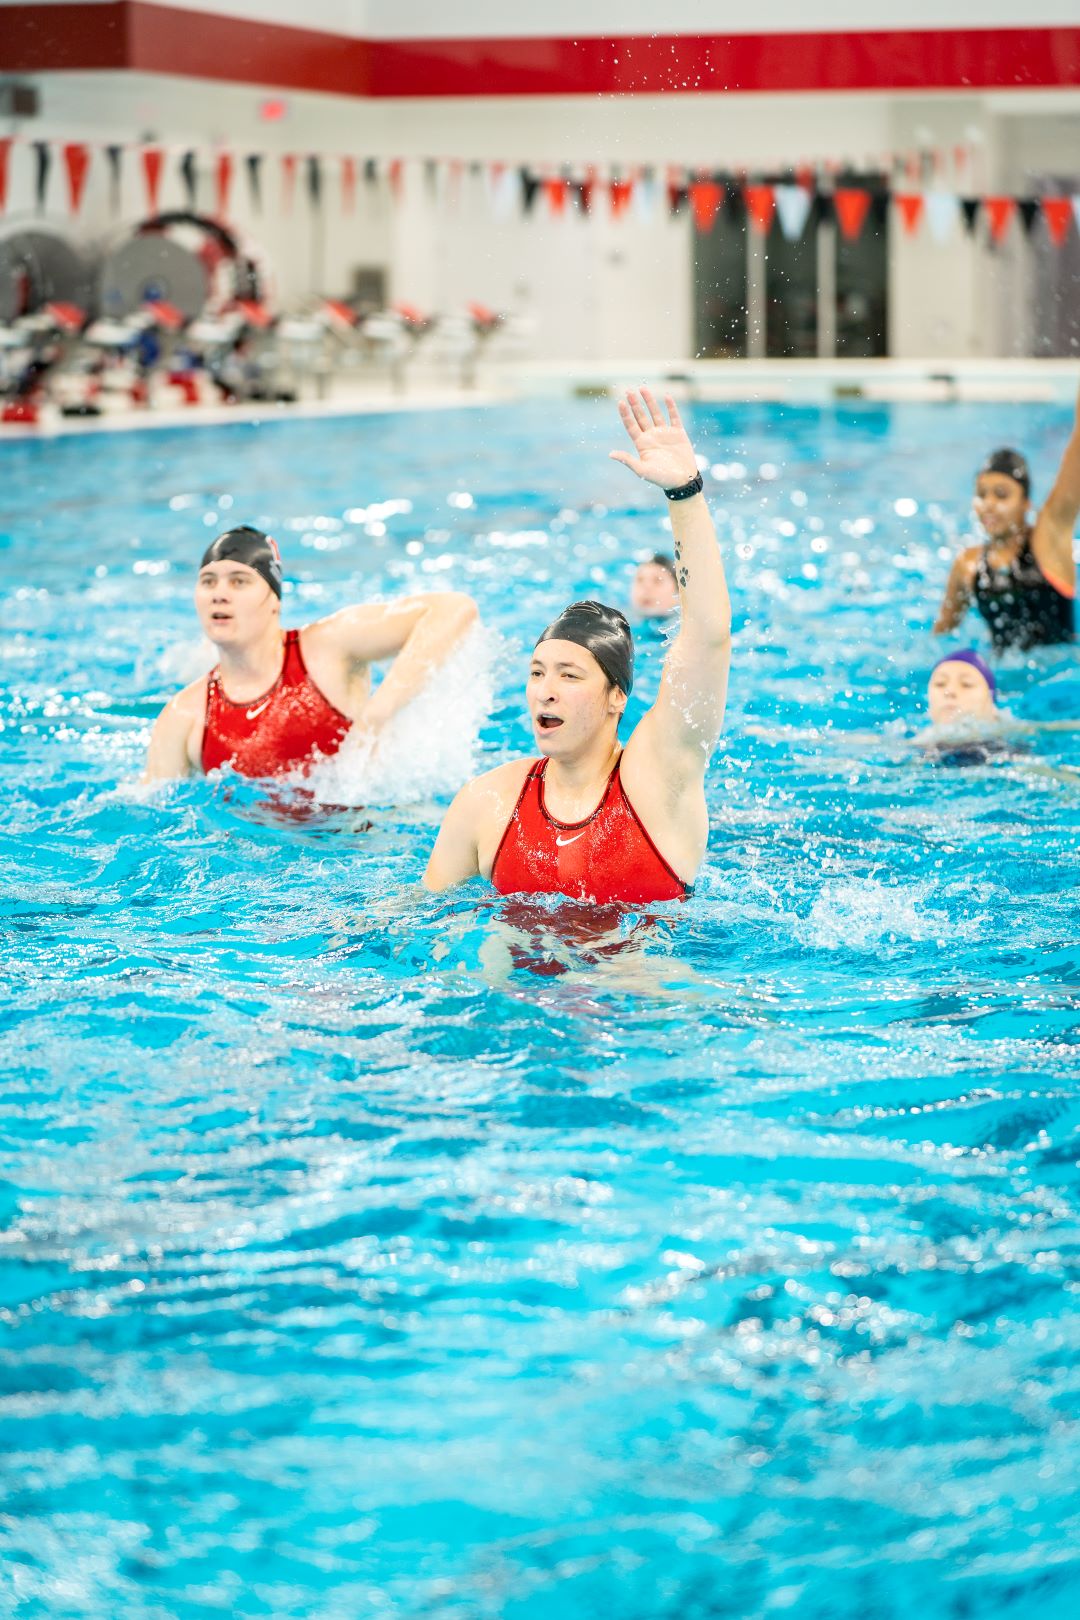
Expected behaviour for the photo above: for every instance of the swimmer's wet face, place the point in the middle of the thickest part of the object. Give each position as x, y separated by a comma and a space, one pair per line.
654, 593
570, 699
1000, 504
959, 691
235, 604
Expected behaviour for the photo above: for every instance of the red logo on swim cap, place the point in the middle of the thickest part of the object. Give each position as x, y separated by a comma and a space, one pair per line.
272, 543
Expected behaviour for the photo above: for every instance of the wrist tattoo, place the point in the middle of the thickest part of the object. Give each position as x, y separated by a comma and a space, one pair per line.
684, 577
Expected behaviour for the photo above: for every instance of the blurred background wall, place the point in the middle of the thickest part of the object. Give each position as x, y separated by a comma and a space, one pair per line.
935, 101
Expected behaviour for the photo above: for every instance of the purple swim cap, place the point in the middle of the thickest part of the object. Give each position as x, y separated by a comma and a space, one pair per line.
968, 655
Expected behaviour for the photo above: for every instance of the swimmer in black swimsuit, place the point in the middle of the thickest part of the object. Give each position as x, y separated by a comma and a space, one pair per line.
1022, 578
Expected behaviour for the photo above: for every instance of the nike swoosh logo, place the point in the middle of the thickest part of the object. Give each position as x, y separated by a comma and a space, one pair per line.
562, 841
253, 714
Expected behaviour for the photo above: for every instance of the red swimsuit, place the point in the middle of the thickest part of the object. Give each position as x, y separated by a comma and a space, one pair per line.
607, 857
277, 732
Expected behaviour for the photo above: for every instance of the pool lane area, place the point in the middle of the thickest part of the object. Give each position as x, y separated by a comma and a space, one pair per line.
368, 1252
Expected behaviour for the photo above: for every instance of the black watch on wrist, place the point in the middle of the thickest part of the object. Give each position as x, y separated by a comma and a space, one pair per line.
684, 491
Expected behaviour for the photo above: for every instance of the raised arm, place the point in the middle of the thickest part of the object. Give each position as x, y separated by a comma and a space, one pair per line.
679, 732
418, 633
1052, 541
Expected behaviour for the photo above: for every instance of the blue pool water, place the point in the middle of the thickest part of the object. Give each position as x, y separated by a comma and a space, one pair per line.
356, 1263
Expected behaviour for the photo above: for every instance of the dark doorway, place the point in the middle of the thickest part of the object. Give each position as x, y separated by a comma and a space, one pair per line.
791, 294
720, 288
862, 280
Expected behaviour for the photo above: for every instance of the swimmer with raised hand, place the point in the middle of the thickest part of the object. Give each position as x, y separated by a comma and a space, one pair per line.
590, 818
277, 701
1022, 578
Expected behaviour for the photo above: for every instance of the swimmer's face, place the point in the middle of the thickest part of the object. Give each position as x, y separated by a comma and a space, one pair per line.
570, 698
654, 594
959, 692
235, 604
1000, 504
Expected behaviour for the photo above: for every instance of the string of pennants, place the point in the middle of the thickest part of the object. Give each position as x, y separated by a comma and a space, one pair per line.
710, 197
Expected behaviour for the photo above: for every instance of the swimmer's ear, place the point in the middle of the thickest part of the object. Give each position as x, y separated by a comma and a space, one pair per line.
616, 699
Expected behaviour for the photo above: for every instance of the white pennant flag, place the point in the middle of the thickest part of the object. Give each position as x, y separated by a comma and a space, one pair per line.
644, 197
792, 209
941, 213
505, 192
1076, 208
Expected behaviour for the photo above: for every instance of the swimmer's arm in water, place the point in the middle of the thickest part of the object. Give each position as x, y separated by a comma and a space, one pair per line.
678, 734
455, 858
1052, 537
418, 633
177, 736
958, 591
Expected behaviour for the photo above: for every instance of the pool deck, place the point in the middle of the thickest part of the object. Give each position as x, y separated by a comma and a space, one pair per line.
803, 381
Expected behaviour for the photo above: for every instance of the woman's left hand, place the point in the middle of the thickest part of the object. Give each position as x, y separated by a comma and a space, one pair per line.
663, 454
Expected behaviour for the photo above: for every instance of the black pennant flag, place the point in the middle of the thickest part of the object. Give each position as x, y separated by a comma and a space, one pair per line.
314, 180
530, 188
1029, 212
970, 207
115, 156
824, 212
253, 163
879, 210
190, 179
431, 176
43, 162
371, 172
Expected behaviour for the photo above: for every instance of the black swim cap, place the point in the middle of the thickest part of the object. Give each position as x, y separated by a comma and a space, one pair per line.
1011, 463
602, 631
251, 546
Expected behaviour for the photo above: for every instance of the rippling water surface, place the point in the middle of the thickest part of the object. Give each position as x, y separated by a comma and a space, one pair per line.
369, 1254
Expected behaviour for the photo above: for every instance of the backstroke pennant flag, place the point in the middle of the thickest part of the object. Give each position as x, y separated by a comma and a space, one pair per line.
152, 159
793, 209
852, 204
1057, 212
999, 213
760, 205
77, 164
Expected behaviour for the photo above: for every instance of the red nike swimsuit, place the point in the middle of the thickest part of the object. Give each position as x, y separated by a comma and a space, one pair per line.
284, 729
607, 857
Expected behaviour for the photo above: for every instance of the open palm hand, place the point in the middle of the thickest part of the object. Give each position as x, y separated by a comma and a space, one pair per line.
663, 455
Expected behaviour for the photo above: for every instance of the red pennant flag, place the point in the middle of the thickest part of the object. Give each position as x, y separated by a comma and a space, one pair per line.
999, 213
760, 205
705, 199
224, 181
911, 205
1057, 212
288, 180
348, 184
5, 148
152, 159
555, 192
396, 172
621, 193
852, 205
454, 171
77, 164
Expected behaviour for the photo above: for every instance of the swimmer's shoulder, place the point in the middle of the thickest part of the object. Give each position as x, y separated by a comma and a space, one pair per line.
496, 790
473, 827
967, 561
176, 740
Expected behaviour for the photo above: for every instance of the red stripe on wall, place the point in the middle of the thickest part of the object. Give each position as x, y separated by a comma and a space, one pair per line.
202, 45
43, 39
